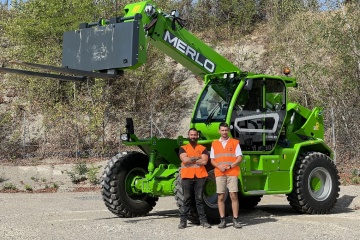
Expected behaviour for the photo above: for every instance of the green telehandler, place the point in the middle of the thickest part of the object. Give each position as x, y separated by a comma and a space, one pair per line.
282, 142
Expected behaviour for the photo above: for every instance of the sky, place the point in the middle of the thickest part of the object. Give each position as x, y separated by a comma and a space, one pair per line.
3, 1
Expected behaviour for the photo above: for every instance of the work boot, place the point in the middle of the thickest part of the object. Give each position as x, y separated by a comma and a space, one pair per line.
222, 223
182, 225
205, 225
236, 223
193, 218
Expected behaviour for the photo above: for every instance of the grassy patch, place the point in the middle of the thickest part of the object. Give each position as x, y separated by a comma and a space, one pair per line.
2, 179
9, 186
81, 172
355, 176
28, 188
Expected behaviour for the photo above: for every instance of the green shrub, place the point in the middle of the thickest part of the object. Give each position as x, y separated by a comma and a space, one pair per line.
35, 179
28, 188
52, 185
81, 168
355, 176
92, 174
78, 173
10, 186
2, 179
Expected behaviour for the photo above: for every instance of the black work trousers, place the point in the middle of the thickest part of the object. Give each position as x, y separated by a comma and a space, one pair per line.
193, 187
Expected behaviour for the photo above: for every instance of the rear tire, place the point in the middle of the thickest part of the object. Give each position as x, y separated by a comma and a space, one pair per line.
315, 184
209, 199
116, 185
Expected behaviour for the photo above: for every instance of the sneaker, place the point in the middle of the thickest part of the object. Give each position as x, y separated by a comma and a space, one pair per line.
236, 223
222, 223
182, 225
205, 225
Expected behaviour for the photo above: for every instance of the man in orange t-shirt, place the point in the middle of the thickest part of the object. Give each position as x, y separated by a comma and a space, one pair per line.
226, 156
193, 157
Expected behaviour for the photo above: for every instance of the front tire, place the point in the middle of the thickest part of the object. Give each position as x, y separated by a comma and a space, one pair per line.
248, 202
179, 198
117, 191
315, 184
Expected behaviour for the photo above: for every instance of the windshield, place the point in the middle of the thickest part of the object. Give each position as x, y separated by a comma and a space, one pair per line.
214, 102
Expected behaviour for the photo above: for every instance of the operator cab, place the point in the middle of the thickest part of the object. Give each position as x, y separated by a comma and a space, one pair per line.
259, 114
255, 107
214, 101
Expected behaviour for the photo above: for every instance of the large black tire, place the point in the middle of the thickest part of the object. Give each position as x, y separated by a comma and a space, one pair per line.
116, 185
248, 202
179, 198
315, 184
209, 198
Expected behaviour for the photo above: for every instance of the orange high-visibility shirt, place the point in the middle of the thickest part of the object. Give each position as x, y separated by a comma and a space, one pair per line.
192, 170
226, 156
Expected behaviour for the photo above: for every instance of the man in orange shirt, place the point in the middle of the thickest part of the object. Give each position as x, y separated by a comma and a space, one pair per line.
226, 156
194, 157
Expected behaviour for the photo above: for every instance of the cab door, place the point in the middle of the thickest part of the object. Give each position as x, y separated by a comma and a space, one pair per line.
259, 113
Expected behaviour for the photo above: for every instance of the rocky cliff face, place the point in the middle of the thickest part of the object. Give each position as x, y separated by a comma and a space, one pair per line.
247, 53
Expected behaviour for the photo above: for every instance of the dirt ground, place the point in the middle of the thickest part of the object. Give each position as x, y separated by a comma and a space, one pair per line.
57, 175
50, 175
81, 213
84, 216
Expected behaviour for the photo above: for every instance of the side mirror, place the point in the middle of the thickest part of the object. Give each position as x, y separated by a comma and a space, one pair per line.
175, 13
249, 83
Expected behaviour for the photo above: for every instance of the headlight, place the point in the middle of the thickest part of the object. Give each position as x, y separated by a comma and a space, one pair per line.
286, 71
149, 10
124, 137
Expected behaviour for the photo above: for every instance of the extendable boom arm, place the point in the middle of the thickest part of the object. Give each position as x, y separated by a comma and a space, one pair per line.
167, 33
104, 49
120, 43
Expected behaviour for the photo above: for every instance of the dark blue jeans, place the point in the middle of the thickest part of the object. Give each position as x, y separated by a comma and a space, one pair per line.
193, 188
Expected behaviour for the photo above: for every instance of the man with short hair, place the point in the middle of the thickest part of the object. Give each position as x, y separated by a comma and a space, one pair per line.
193, 157
226, 156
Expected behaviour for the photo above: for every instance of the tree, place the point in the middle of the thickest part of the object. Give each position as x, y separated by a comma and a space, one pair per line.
323, 50
78, 117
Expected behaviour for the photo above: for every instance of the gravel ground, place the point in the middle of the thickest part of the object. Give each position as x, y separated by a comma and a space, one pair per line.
70, 214
42, 177
82, 215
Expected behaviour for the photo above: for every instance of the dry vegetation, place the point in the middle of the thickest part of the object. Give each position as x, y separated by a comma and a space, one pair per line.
42, 119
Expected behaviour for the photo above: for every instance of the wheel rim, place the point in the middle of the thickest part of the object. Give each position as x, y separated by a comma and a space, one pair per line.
129, 182
320, 183
209, 195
